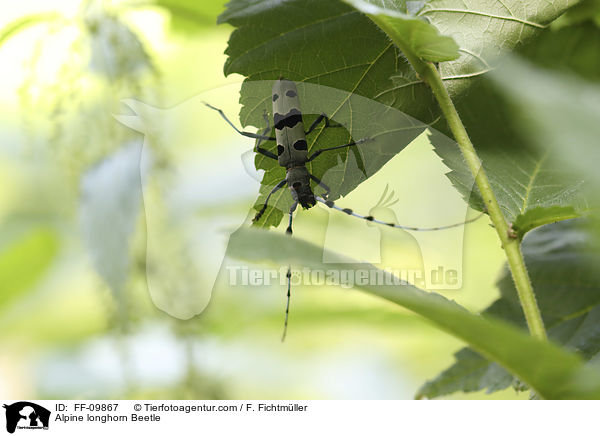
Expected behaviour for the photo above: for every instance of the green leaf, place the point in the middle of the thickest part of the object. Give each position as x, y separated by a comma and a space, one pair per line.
551, 371
24, 261
332, 44
485, 29
353, 117
588, 10
531, 188
557, 111
527, 175
412, 35
310, 40
562, 121
541, 216
471, 373
563, 267
307, 39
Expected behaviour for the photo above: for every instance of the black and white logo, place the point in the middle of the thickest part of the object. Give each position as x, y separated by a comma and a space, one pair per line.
26, 415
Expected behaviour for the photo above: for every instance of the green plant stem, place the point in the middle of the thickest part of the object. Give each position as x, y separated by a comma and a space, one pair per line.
428, 72
511, 246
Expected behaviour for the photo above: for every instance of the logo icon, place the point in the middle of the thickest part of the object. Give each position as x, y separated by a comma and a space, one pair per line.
26, 415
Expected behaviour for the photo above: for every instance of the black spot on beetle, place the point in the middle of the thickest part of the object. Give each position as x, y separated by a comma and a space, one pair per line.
290, 119
280, 150
290, 93
348, 211
301, 145
275, 97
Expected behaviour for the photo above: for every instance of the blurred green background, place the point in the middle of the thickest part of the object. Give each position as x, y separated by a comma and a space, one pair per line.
76, 316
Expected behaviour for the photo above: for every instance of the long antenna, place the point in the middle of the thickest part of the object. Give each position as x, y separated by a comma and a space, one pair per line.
288, 231
287, 306
372, 219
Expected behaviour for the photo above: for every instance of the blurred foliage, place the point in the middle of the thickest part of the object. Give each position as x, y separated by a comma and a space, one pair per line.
73, 179
22, 23
583, 12
191, 16
24, 261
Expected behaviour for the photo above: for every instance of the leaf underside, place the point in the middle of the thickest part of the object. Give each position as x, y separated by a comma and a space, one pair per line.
332, 44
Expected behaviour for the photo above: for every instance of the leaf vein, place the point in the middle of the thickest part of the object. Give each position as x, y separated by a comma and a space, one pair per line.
484, 14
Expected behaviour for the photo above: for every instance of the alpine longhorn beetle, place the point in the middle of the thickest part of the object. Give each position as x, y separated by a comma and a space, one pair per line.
292, 154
